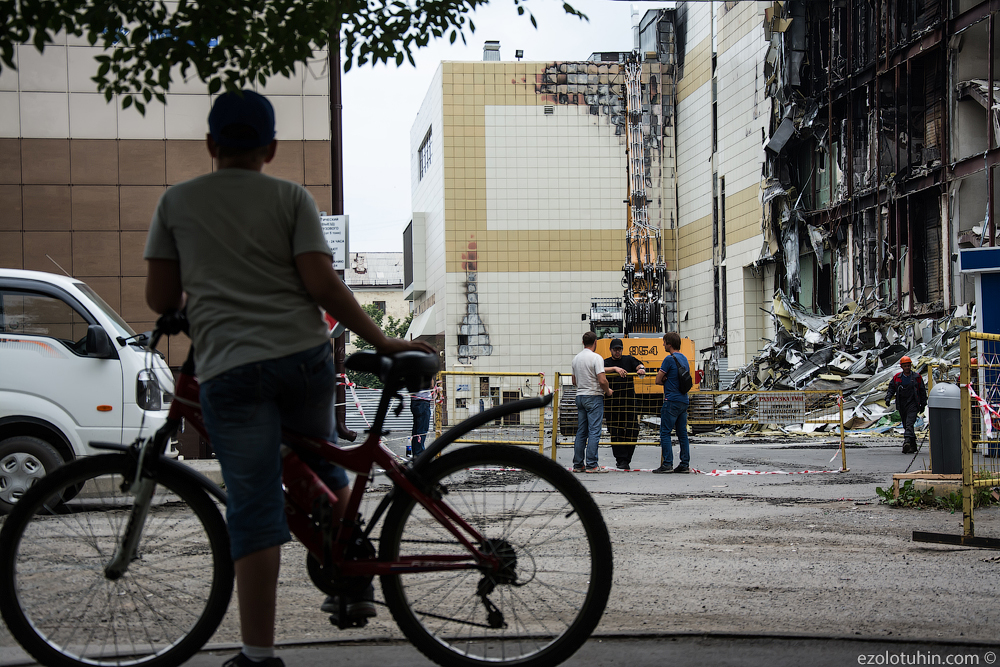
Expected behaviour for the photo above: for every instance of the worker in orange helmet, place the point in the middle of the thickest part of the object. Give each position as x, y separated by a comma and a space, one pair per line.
911, 398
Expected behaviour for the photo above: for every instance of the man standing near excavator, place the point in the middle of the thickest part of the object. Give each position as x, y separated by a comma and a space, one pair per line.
911, 398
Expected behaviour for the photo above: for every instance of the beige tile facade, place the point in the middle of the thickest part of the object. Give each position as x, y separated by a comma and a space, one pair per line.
85, 205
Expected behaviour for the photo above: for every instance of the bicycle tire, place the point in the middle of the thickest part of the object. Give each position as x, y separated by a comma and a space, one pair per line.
55, 597
528, 508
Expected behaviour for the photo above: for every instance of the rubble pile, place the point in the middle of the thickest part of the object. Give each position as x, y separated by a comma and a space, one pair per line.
855, 352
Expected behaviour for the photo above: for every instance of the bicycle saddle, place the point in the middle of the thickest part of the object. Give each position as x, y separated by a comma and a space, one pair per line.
414, 370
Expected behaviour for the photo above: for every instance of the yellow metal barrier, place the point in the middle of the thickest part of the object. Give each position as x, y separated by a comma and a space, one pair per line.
980, 368
709, 410
466, 393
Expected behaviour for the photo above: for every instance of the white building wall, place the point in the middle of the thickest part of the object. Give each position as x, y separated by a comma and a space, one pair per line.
428, 198
743, 119
553, 172
694, 178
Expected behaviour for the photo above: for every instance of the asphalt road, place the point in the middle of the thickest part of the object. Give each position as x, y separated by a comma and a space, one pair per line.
783, 567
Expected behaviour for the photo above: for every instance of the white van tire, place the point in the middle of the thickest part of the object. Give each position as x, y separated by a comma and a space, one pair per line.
23, 461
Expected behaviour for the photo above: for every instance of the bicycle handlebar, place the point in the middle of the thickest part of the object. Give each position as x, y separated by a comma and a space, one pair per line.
412, 369
169, 323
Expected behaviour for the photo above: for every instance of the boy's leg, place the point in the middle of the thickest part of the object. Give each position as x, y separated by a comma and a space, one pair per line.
256, 590
245, 430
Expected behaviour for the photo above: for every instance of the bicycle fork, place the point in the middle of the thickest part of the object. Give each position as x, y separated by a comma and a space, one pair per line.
142, 488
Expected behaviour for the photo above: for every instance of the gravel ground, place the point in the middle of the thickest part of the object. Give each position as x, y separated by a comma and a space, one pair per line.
798, 553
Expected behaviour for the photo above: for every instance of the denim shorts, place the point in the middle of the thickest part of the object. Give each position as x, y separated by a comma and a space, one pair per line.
245, 409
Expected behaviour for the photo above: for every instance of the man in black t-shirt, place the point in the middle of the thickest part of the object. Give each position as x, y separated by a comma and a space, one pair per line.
620, 408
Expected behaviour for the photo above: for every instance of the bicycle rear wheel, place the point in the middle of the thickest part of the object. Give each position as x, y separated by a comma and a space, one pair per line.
554, 549
54, 594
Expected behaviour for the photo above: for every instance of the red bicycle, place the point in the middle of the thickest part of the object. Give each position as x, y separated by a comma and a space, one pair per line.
487, 554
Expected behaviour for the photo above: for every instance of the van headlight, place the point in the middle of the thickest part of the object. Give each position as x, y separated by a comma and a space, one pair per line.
148, 394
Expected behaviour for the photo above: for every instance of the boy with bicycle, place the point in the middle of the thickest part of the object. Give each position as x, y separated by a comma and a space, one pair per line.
245, 254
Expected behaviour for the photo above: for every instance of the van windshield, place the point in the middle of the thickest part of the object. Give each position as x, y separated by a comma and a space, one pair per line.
124, 330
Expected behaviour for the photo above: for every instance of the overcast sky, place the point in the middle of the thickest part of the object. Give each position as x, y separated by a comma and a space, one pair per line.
381, 103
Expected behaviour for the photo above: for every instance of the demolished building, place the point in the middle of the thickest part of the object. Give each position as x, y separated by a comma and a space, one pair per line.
872, 128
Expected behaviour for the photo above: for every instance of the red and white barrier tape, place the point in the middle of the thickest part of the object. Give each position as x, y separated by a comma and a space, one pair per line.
722, 473
988, 410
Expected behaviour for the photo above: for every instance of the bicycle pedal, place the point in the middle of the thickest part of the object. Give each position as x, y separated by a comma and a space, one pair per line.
349, 623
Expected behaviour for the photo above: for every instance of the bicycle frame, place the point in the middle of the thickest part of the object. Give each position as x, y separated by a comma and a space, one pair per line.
329, 546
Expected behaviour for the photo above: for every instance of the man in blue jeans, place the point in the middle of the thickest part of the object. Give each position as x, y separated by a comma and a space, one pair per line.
420, 408
673, 414
591, 388
245, 253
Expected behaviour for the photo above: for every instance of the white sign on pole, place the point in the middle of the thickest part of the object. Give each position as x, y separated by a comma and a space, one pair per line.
335, 231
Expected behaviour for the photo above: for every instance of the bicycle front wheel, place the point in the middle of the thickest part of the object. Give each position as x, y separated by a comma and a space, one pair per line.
54, 594
554, 550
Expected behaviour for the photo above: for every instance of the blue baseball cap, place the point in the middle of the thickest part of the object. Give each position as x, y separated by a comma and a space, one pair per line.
241, 120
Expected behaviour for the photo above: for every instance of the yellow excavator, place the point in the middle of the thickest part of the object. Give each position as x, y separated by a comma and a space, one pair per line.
637, 317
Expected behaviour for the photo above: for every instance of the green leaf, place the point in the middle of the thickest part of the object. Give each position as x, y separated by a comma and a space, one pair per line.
214, 86
126, 102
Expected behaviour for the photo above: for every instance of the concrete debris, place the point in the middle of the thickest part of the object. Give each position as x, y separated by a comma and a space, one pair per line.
855, 352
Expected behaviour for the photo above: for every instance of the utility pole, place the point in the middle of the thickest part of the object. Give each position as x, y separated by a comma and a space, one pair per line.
337, 185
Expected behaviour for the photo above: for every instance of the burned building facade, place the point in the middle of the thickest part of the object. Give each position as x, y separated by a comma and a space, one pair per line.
880, 153
829, 153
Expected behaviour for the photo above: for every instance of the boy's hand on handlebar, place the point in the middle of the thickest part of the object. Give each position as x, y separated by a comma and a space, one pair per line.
393, 345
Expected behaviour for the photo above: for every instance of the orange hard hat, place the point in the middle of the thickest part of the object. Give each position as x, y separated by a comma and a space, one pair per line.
906, 360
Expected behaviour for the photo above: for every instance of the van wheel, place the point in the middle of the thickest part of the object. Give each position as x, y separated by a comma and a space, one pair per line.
23, 461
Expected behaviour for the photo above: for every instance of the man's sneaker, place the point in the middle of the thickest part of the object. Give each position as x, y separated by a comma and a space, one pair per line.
682, 468
578, 469
359, 608
595, 470
240, 660
909, 448
663, 470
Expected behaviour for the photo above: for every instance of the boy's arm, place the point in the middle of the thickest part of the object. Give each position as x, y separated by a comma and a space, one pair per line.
163, 285
330, 292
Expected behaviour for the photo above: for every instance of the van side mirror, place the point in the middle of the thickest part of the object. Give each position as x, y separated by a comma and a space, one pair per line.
99, 343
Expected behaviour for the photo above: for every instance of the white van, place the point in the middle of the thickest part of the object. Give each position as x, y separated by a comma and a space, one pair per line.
71, 372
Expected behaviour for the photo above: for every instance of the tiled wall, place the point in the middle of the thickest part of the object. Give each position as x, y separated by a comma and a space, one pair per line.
531, 193
428, 198
694, 178
743, 121
85, 205
80, 178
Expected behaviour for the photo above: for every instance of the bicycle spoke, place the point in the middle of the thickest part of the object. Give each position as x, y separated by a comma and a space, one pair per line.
542, 592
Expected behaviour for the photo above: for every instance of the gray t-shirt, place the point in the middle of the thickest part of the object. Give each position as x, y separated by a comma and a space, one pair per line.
236, 233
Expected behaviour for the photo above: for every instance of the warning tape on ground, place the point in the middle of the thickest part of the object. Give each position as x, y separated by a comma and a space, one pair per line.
721, 473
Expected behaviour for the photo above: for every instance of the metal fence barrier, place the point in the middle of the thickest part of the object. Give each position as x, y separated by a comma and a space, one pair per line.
708, 410
466, 393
